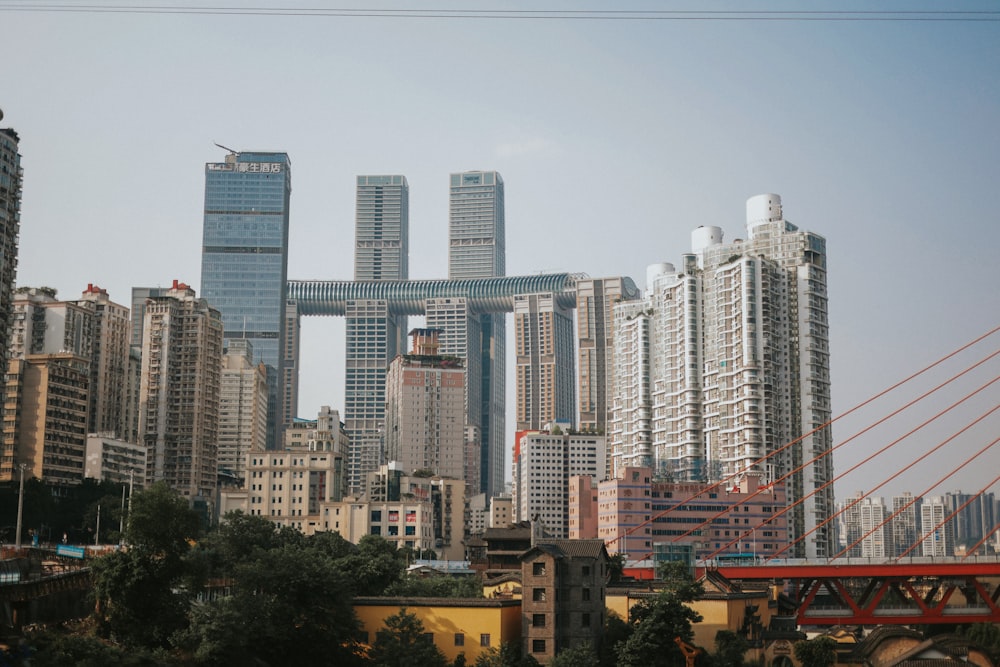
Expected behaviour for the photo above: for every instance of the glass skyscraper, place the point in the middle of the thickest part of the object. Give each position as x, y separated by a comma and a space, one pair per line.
477, 249
244, 262
374, 334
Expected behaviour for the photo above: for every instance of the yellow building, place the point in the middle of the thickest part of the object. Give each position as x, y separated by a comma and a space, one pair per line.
723, 607
456, 625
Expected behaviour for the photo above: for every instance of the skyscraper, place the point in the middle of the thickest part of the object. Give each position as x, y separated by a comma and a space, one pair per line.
242, 408
374, 335
179, 395
477, 250
244, 261
543, 340
110, 411
10, 227
595, 302
738, 367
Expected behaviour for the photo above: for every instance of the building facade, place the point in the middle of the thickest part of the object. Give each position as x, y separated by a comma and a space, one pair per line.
110, 411
544, 462
544, 362
242, 408
477, 249
596, 299
112, 460
244, 261
11, 177
375, 335
636, 513
45, 417
737, 343
179, 394
425, 425
563, 596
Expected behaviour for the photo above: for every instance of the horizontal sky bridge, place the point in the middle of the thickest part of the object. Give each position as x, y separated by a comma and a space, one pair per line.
409, 297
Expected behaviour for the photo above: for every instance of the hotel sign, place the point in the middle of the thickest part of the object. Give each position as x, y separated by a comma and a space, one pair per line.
247, 167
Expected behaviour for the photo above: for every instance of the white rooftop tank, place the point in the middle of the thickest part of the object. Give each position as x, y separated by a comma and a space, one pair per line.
762, 209
654, 271
703, 237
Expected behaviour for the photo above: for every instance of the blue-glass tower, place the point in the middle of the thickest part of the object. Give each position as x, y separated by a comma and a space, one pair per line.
244, 261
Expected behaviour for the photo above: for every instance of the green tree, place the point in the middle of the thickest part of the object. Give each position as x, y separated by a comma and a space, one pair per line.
578, 656
730, 648
140, 601
616, 633
656, 624
818, 652
436, 587
401, 643
286, 607
374, 565
677, 579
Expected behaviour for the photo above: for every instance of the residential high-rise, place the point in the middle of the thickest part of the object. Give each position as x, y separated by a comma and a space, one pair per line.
937, 535
244, 261
545, 360
425, 409
138, 311
179, 395
543, 463
45, 417
477, 249
375, 336
738, 367
905, 522
11, 176
110, 411
242, 408
290, 382
596, 299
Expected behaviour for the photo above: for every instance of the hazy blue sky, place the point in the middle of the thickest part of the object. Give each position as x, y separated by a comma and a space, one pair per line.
615, 139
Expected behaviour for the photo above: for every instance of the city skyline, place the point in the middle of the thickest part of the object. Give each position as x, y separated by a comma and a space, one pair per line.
879, 136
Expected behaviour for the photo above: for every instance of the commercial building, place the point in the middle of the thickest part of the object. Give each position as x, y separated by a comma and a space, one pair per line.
242, 408
636, 513
545, 360
425, 425
244, 261
726, 361
45, 417
937, 534
477, 249
179, 394
544, 461
375, 335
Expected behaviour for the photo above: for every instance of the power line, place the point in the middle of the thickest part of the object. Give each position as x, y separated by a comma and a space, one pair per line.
517, 14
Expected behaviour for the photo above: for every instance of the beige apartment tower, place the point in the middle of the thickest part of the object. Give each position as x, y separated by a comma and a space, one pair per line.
179, 394
242, 408
543, 334
425, 416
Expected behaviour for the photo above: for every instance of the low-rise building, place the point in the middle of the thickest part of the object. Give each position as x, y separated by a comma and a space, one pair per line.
563, 596
110, 459
455, 625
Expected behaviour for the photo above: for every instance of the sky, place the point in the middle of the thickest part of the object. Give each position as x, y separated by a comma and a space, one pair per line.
615, 139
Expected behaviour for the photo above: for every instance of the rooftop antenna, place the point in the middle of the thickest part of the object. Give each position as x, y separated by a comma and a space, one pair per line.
217, 144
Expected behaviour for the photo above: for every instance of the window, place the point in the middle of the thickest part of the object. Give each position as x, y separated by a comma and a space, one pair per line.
538, 620
538, 569
459, 639
586, 570
538, 646
586, 594
585, 619
484, 639
538, 595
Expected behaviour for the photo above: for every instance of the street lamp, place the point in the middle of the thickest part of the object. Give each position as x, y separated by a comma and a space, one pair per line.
20, 508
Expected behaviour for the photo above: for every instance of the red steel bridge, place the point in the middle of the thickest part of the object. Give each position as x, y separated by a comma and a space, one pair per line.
923, 591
